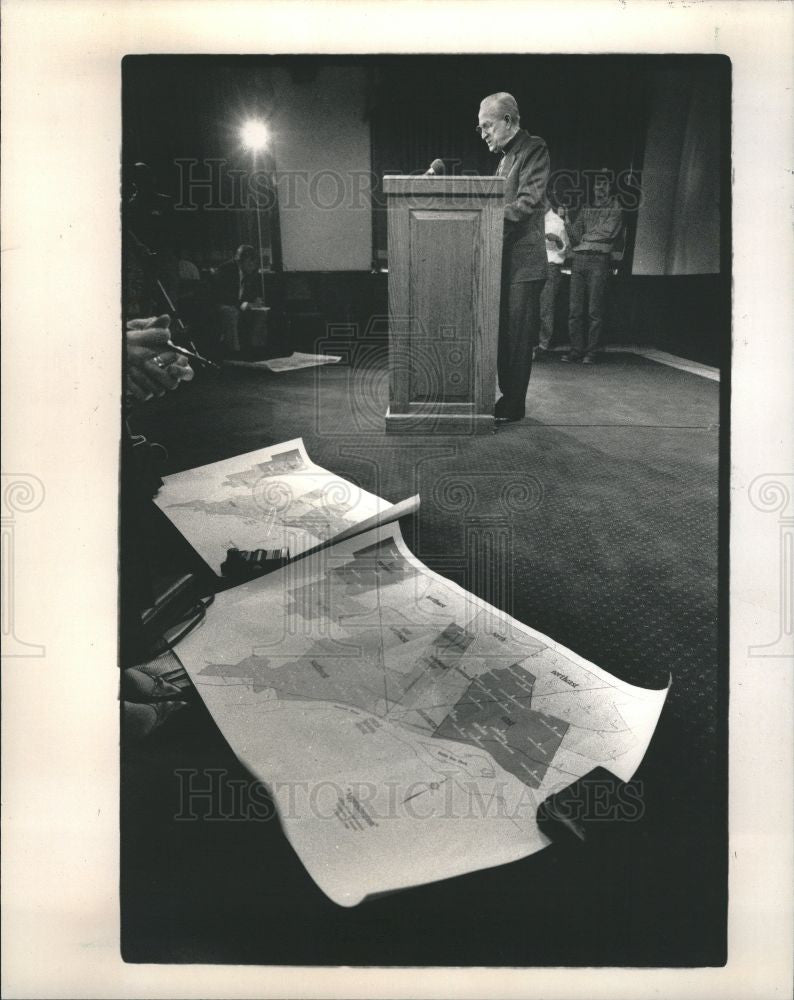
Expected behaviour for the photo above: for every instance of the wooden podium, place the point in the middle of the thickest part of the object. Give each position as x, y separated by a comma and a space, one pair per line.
445, 256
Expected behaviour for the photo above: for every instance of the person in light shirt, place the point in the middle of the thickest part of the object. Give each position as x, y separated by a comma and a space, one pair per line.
557, 246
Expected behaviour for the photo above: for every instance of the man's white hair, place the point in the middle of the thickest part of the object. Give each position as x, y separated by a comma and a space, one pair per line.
505, 104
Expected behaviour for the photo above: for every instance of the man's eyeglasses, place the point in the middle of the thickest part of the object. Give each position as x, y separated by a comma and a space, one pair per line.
487, 126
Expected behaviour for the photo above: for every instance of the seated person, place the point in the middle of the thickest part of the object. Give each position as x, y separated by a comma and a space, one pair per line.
237, 293
187, 270
189, 276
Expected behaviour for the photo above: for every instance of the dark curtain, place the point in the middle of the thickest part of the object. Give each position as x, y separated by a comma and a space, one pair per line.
695, 226
591, 110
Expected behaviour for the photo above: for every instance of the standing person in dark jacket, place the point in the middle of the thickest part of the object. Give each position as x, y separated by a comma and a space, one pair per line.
592, 235
525, 165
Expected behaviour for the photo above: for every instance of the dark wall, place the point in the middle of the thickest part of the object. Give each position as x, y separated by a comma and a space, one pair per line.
687, 315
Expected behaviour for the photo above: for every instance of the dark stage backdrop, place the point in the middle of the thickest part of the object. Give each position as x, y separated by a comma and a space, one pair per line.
658, 119
591, 110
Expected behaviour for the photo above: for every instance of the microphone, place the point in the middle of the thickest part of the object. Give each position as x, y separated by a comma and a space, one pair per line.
435, 168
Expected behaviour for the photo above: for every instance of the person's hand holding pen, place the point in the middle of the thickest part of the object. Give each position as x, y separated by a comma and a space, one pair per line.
153, 366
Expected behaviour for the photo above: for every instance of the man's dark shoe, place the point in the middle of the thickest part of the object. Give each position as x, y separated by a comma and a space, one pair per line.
571, 358
541, 353
508, 419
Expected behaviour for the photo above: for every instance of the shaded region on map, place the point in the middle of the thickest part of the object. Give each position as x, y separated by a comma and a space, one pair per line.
253, 672
435, 695
494, 714
283, 463
242, 507
346, 591
319, 513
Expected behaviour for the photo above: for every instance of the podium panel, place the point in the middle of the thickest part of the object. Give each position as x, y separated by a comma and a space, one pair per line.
445, 252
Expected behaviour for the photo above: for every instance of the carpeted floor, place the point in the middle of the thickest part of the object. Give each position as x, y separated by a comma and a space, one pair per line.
607, 497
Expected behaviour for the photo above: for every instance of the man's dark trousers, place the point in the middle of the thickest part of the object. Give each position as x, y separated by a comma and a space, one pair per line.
589, 274
519, 323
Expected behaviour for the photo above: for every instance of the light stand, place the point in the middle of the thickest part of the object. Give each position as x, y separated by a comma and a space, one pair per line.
254, 135
259, 236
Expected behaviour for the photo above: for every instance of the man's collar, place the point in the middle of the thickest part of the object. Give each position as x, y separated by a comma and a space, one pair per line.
511, 142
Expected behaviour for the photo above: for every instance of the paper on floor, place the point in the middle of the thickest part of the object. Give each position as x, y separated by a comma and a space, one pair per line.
272, 498
406, 729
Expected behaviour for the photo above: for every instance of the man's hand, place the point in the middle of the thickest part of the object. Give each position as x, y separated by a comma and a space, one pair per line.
152, 367
555, 240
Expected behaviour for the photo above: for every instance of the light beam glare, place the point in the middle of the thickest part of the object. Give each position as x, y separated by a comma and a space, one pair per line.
254, 135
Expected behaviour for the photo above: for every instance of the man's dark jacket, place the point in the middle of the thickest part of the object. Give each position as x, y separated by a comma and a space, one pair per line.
525, 164
226, 285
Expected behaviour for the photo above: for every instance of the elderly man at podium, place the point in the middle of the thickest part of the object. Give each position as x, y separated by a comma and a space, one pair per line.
525, 165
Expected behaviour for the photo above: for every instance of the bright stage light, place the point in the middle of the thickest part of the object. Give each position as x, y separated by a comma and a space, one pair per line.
254, 135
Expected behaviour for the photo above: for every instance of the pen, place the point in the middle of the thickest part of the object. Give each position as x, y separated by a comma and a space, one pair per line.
194, 355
